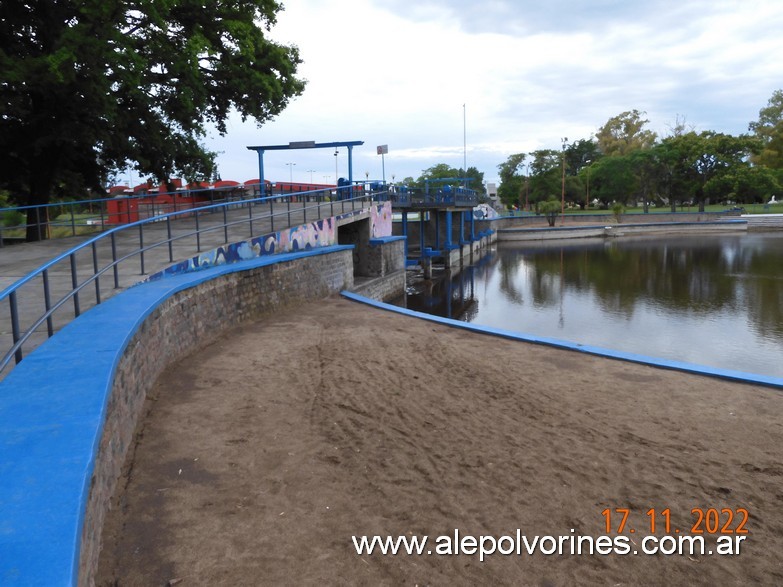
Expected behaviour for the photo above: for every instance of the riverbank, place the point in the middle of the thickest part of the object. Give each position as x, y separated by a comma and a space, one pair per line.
262, 455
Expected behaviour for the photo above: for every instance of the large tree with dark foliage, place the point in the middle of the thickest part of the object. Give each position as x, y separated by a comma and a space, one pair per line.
90, 87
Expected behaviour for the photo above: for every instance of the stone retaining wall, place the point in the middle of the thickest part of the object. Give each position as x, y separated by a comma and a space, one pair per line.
182, 324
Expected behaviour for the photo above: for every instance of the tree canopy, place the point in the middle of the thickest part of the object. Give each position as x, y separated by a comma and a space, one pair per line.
94, 86
630, 164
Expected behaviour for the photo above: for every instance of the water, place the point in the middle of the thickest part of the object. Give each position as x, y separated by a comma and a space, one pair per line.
710, 299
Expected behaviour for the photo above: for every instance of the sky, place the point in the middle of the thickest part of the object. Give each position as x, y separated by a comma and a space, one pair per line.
443, 81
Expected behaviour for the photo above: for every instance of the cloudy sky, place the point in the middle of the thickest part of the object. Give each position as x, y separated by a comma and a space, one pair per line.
397, 73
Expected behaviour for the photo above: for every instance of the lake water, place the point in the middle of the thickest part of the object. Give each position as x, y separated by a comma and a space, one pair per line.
709, 300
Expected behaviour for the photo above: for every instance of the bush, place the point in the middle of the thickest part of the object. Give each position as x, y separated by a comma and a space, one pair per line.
618, 210
550, 209
13, 218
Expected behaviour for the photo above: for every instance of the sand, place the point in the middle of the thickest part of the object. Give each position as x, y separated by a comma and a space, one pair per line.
261, 456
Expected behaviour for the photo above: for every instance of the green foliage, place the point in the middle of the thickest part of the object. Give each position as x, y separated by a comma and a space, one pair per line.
443, 171
13, 218
550, 208
625, 133
618, 209
612, 180
512, 182
90, 86
769, 130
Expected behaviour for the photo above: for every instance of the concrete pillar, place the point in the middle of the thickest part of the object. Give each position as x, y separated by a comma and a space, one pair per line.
426, 265
405, 231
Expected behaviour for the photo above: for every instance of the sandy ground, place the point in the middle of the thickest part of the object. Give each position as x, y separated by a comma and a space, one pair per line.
262, 455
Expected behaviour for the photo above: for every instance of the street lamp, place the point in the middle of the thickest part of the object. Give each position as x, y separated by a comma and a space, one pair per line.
335, 167
562, 198
291, 172
311, 171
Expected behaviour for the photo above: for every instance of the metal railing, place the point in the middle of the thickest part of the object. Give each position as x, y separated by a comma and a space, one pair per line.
85, 275
81, 217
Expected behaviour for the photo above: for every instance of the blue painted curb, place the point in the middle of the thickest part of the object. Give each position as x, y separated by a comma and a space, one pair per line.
739, 376
52, 411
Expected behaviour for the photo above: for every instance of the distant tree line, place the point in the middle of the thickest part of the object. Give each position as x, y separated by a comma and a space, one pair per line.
437, 174
629, 164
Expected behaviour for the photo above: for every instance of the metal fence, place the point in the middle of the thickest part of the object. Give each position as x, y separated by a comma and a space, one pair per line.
46, 299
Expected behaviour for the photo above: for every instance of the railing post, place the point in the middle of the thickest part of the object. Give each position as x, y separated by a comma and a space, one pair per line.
198, 234
75, 284
103, 225
289, 210
168, 233
114, 261
47, 302
97, 278
15, 325
141, 246
225, 221
250, 218
271, 216
73, 222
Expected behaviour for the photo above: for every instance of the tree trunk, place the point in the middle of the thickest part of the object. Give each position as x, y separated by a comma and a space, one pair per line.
38, 215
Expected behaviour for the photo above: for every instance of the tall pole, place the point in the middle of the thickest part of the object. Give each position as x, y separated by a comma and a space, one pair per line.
311, 171
291, 172
464, 145
527, 188
562, 199
587, 196
335, 167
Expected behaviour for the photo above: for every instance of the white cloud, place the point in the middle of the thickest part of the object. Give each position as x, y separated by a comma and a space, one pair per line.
398, 74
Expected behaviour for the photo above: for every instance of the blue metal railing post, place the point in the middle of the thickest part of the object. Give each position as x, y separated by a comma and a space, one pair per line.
141, 247
15, 325
75, 284
114, 261
95, 273
168, 235
47, 303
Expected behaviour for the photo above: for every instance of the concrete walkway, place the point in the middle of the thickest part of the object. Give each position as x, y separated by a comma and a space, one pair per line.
18, 261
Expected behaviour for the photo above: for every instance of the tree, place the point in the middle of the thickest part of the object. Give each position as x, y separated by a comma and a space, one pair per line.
545, 174
436, 172
512, 183
625, 133
476, 180
93, 86
743, 184
580, 154
550, 209
612, 180
769, 130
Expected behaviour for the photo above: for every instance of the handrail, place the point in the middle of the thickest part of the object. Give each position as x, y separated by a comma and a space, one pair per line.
349, 196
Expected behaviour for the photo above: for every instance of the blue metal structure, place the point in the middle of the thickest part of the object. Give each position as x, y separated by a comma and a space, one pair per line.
260, 150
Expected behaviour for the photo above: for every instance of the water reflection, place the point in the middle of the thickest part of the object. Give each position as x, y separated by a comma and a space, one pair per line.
714, 299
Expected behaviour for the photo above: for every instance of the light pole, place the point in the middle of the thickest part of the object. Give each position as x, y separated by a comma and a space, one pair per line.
291, 172
587, 196
335, 167
527, 188
311, 171
562, 198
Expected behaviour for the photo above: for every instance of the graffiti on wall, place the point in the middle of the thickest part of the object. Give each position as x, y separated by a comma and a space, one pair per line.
320, 233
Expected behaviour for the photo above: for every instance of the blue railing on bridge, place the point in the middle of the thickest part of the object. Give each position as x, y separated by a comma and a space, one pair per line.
35, 288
